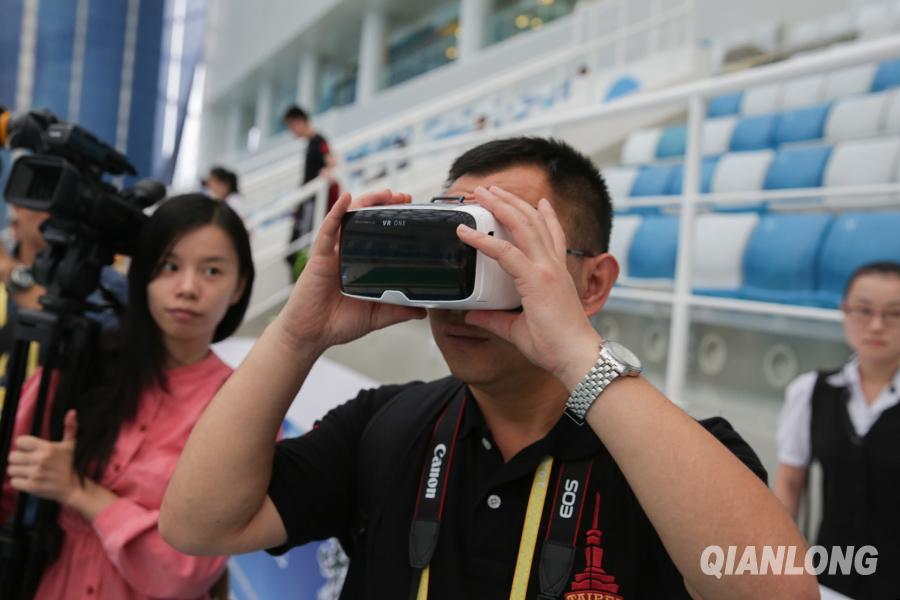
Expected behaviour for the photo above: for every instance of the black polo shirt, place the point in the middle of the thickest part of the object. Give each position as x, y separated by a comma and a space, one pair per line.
356, 474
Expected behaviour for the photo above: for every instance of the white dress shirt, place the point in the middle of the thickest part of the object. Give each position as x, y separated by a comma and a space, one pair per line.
793, 437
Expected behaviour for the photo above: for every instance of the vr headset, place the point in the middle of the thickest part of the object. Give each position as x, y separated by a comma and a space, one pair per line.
409, 254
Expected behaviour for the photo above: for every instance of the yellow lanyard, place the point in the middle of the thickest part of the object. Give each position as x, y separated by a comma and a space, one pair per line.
536, 499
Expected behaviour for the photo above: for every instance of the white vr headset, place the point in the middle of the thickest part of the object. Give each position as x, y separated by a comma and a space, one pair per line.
410, 254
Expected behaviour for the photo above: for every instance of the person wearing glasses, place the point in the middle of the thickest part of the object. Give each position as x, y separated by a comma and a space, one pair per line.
848, 420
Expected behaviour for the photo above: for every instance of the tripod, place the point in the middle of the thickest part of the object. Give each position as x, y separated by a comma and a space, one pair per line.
68, 342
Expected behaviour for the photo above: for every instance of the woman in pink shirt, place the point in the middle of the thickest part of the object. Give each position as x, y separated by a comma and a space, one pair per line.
189, 286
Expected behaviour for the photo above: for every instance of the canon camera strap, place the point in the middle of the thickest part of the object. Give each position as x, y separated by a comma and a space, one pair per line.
558, 549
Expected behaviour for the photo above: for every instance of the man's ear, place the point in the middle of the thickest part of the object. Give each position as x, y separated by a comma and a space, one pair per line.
599, 274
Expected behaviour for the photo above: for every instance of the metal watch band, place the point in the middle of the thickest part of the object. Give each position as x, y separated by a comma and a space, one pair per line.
604, 371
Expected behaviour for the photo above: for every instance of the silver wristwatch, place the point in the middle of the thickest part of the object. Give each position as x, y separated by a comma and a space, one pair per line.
615, 360
21, 278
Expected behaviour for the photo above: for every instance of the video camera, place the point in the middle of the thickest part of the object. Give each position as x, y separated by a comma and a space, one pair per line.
90, 220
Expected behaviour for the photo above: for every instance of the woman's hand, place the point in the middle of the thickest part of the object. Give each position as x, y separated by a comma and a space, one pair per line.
317, 315
43, 468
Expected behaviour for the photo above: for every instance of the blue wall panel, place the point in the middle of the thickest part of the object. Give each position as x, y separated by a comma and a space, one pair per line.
102, 79
10, 35
53, 55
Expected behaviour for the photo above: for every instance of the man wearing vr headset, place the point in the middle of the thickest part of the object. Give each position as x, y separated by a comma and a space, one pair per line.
478, 485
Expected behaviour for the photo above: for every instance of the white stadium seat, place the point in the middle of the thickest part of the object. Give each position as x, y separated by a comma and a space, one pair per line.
623, 230
849, 81
719, 243
640, 147
856, 117
864, 162
762, 99
619, 181
891, 122
803, 92
875, 19
742, 171
717, 134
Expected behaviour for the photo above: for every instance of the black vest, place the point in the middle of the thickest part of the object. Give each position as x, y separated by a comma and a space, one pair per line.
861, 495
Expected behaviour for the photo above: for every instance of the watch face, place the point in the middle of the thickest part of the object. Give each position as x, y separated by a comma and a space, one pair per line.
623, 355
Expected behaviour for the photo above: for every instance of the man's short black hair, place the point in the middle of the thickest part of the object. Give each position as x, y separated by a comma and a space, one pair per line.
580, 192
884, 267
293, 113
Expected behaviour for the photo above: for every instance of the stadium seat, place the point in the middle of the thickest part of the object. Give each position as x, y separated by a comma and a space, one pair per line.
856, 117
619, 181
805, 91
719, 244
801, 124
891, 115
804, 35
848, 82
707, 170
717, 134
624, 85
640, 147
887, 75
755, 132
863, 162
652, 180
855, 239
874, 19
623, 230
840, 25
742, 171
672, 142
761, 100
651, 257
781, 257
797, 168
725, 105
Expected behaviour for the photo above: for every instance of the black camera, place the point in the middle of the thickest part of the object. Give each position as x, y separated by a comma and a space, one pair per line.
90, 219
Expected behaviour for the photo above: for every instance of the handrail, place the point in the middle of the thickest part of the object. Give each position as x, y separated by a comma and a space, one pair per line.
750, 196
628, 292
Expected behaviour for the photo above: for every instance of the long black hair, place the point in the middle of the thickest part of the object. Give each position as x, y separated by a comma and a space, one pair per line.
135, 357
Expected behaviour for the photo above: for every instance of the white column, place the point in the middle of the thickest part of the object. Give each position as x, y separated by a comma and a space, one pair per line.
263, 116
78, 45
473, 16
371, 52
679, 333
27, 51
306, 81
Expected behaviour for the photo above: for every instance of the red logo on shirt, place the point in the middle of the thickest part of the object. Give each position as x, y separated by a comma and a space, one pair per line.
594, 583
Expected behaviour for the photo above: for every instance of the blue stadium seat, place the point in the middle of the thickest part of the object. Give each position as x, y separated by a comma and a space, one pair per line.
855, 239
653, 249
672, 142
781, 257
727, 104
797, 168
653, 180
802, 124
624, 85
707, 170
755, 132
887, 75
